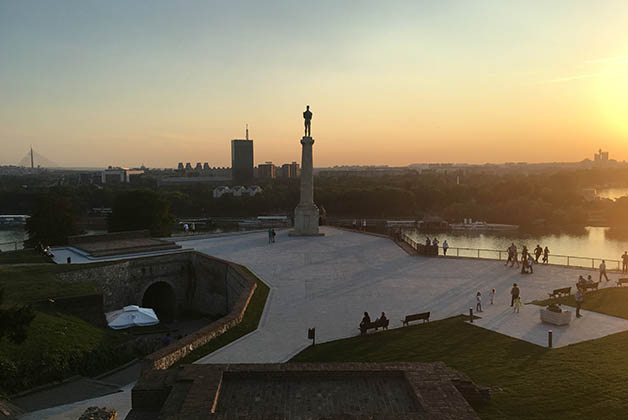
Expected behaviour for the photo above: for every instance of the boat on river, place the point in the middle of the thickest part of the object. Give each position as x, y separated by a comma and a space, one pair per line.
477, 226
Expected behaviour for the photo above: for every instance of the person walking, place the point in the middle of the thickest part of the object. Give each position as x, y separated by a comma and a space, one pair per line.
537, 252
270, 235
514, 293
273, 234
509, 250
579, 300
603, 271
478, 299
546, 253
624, 258
445, 247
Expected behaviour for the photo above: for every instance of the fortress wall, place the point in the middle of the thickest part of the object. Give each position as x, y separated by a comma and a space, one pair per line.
206, 284
166, 357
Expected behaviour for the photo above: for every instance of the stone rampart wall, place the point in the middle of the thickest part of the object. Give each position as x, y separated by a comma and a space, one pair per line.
106, 237
202, 283
166, 357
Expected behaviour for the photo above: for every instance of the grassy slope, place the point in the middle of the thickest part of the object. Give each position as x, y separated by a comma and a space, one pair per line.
610, 301
24, 284
587, 380
249, 323
57, 344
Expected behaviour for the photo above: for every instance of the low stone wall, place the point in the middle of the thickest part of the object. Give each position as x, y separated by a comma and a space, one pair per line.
166, 357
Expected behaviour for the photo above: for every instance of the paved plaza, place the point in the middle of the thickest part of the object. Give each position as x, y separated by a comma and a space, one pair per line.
328, 282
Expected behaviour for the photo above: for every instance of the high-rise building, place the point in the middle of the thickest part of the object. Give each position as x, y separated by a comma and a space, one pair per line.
266, 170
198, 166
242, 161
290, 170
180, 167
206, 166
188, 166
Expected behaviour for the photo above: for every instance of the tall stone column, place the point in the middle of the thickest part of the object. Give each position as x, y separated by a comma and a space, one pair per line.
306, 213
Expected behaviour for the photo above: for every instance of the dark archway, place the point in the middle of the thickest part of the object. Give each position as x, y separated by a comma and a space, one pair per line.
161, 298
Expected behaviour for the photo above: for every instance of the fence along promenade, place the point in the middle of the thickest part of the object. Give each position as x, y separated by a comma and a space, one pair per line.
11, 246
495, 254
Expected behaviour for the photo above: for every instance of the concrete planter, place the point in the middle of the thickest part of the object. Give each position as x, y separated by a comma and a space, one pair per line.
555, 318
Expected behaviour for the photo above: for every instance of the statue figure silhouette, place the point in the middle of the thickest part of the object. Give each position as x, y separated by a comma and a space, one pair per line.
307, 116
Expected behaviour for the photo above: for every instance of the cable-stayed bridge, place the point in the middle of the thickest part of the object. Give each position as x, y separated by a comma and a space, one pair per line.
32, 159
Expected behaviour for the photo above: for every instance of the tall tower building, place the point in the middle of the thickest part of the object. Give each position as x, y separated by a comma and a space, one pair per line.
242, 160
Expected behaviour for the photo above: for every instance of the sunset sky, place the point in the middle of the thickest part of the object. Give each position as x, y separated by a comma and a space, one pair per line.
95, 83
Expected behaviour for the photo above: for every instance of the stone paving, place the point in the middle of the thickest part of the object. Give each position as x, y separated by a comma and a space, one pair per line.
120, 401
328, 282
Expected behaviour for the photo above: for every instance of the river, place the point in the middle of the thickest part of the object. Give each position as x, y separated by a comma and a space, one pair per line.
8, 237
593, 243
612, 193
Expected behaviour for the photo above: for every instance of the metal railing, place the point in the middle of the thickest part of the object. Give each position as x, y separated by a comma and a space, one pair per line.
11, 246
495, 254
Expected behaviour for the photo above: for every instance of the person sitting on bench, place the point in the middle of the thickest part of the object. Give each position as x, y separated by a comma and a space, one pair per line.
382, 319
365, 320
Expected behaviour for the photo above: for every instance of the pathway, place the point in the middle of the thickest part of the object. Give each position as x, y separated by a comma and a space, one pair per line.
328, 282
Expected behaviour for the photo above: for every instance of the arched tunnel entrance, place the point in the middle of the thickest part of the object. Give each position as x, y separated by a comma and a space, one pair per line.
161, 298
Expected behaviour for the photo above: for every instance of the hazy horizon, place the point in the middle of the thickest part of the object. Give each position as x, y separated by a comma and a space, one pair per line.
128, 83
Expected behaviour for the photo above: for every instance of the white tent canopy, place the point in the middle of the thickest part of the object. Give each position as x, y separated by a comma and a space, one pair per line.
131, 316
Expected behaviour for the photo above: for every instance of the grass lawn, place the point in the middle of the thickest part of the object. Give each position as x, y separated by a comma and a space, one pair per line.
25, 284
610, 301
586, 380
249, 323
24, 256
58, 345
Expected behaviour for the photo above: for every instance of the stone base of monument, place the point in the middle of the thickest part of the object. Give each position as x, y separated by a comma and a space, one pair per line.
306, 221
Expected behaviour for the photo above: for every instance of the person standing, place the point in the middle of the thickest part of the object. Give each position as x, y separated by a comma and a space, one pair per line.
517, 304
270, 235
603, 271
273, 234
514, 293
478, 299
492, 295
546, 253
445, 247
579, 300
624, 258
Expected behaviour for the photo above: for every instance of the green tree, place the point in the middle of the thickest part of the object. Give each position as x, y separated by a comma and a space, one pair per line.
142, 209
53, 220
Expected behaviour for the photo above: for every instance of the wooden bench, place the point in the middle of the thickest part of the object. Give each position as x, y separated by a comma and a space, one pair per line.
374, 325
425, 316
591, 286
622, 281
565, 291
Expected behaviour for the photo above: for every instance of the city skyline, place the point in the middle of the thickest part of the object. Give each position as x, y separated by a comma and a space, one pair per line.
474, 82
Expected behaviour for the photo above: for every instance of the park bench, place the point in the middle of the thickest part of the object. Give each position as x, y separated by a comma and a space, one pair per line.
425, 316
592, 286
565, 291
374, 325
622, 281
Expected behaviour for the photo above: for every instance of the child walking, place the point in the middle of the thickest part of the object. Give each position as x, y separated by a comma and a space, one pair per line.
492, 295
517, 304
478, 298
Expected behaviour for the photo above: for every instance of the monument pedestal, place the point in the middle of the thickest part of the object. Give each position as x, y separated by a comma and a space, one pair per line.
306, 221
306, 213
